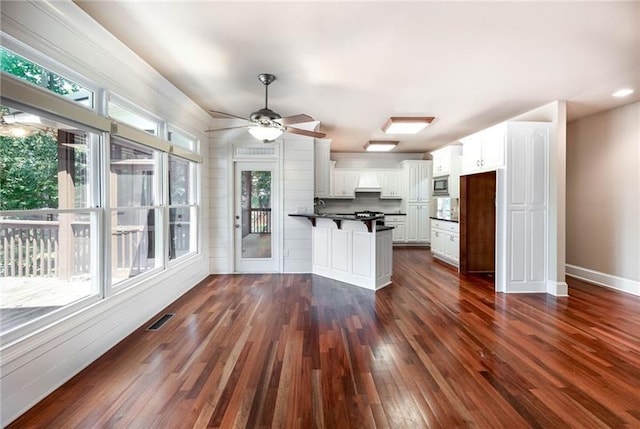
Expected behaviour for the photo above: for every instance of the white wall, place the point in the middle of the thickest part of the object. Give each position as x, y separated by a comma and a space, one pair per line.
33, 367
220, 206
603, 198
298, 192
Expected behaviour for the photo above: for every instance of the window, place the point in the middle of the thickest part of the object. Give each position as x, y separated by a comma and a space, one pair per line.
86, 208
133, 186
120, 111
24, 69
182, 207
48, 219
181, 139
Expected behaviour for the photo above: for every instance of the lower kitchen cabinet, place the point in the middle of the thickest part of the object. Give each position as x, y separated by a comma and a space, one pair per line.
418, 223
398, 223
445, 241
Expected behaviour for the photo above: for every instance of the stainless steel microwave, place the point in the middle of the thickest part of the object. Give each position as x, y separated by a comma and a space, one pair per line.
440, 186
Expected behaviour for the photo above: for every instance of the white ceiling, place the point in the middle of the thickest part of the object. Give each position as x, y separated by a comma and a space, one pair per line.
352, 65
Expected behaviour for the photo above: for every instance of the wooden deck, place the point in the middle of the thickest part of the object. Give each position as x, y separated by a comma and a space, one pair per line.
432, 350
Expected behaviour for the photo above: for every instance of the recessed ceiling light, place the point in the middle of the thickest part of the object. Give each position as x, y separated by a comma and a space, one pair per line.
623, 92
380, 145
406, 125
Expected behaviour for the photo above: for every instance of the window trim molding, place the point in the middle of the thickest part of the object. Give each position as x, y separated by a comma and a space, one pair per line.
25, 93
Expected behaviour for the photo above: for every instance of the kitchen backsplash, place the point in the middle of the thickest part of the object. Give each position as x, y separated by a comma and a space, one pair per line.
363, 201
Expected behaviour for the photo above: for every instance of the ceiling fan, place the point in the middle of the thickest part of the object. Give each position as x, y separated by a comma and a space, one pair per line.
267, 125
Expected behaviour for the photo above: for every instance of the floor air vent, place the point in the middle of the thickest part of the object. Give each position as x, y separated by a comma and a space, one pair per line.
160, 322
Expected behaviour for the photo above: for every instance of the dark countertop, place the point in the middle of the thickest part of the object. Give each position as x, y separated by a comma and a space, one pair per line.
334, 216
450, 219
369, 221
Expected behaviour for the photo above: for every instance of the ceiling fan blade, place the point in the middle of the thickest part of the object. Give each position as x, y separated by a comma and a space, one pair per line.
226, 114
223, 129
295, 119
306, 133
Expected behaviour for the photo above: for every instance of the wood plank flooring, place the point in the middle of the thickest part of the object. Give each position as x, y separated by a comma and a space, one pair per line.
433, 350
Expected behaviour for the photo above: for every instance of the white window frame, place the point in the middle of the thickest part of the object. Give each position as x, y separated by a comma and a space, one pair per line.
56, 67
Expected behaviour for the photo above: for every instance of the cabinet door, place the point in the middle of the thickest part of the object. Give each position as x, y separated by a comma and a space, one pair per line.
441, 165
345, 182
394, 179
398, 232
412, 181
424, 223
339, 184
389, 183
493, 151
413, 217
351, 181
454, 243
437, 241
424, 182
471, 153
322, 168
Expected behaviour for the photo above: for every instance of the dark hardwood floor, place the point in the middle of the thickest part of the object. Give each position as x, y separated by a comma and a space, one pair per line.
431, 350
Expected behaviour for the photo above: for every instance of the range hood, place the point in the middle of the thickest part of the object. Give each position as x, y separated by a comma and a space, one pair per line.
368, 182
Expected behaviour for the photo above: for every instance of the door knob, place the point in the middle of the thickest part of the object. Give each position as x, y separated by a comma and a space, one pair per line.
237, 225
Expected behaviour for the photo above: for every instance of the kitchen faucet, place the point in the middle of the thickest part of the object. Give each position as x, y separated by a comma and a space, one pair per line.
318, 204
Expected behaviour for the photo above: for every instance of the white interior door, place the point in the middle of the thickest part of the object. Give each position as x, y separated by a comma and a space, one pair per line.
256, 217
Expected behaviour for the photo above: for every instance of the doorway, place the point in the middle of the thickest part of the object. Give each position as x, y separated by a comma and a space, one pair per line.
256, 218
478, 223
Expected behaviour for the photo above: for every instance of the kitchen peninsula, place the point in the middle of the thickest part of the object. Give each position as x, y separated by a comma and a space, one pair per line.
351, 249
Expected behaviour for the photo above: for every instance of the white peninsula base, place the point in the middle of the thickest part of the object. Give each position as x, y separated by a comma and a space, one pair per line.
352, 254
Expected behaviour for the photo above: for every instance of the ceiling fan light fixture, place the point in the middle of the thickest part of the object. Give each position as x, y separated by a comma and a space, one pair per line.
380, 145
406, 125
266, 132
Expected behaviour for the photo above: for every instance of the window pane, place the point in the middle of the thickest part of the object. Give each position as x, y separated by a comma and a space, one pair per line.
133, 243
181, 140
45, 264
182, 229
180, 181
26, 70
132, 175
126, 116
43, 163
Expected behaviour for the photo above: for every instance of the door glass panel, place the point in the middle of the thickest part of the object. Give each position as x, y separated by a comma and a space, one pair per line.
256, 214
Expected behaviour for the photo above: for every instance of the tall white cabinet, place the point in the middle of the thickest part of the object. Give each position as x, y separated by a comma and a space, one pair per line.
523, 208
418, 195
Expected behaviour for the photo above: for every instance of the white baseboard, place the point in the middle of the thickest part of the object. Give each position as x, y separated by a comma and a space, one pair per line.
603, 279
557, 288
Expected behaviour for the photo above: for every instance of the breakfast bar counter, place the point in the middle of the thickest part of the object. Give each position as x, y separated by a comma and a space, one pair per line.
351, 249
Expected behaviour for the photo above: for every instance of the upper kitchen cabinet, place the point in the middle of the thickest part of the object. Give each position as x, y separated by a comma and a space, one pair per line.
344, 183
484, 150
391, 184
322, 168
445, 160
418, 180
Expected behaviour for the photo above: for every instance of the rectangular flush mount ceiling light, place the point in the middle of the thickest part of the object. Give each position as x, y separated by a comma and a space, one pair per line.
406, 125
380, 145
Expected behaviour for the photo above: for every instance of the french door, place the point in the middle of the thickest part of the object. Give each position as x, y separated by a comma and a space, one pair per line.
256, 217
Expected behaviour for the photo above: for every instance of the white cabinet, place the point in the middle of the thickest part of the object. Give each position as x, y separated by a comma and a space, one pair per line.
322, 168
418, 223
391, 183
344, 183
445, 241
445, 160
418, 181
484, 150
398, 222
